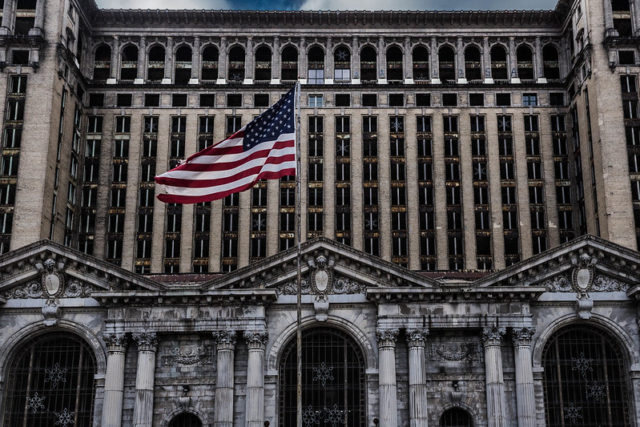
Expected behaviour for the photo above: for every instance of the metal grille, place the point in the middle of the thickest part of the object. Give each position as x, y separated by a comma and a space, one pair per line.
332, 381
584, 380
456, 417
50, 382
185, 419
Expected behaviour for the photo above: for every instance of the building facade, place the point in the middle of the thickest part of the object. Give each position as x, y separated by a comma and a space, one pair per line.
470, 218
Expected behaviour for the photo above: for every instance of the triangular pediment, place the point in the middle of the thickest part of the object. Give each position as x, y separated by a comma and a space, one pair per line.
348, 271
585, 265
48, 270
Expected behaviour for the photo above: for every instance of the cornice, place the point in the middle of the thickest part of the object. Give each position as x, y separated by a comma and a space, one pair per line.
324, 19
498, 294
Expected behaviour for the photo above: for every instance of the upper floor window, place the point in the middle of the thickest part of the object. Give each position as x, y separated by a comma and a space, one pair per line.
315, 60
342, 64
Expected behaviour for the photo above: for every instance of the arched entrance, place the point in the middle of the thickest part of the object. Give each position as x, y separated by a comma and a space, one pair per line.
333, 380
585, 381
185, 419
456, 417
50, 381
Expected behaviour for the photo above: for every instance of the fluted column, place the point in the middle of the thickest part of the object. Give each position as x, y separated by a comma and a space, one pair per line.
145, 375
418, 407
142, 54
382, 61
222, 62
387, 377
195, 61
114, 380
525, 394
256, 341
492, 339
276, 66
226, 341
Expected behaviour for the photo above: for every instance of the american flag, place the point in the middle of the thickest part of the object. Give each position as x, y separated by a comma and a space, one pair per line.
263, 149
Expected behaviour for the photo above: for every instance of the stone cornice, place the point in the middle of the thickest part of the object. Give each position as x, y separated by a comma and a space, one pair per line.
191, 297
498, 294
106, 18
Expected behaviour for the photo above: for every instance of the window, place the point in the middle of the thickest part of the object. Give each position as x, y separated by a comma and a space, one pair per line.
343, 100
626, 57
396, 100
151, 100
52, 374
315, 101
261, 100
556, 99
179, 100
449, 99
585, 379
423, 100
503, 99
315, 61
476, 99
234, 100
96, 99
123, 100
529, 99
369, 100
207, 100
20, 57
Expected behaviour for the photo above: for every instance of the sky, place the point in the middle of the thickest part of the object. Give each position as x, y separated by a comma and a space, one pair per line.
330, 4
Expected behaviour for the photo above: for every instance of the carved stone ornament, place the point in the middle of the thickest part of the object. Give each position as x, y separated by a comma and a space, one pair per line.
417, 337
225, 339
558, 284
522, 336
51, 312
387, 337
189, 355
52, 281
116, 341
147, 341
608, 284
322, 277
492, 335
454, 351
256, 339
583, 273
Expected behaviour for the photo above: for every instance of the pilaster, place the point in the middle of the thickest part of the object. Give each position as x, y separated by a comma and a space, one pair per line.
115, 61
382, 61
328, 62
276, 66
168, 62
142, 55
408, 65
249, 62
222, 61
195, 61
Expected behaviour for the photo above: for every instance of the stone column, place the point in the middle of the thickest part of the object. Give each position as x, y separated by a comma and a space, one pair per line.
38, 24
276, 66
7, 15
538, 67
460, 65
355, 60
168, 62
418, 407
525, 394
496, 405
513, 61
248, 62
142, 55
226, 341
408, 63
114, 380
195, 62
302, 61
387, 377
328, 62
256, 341
382, 62
145, 375
115, 63
435, 62
486, 59
222, 62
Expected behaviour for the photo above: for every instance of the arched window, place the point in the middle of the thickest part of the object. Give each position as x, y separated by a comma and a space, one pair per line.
289, 63
394, 64
185, 419
263, 63
421, 64
102, 62
50, 382
525, 62
129, 63
368, 64
342, 64
25, 16
550, 62
456, 417
585, 379
315, 59
622, 17
472, 69
155, 70
446, 59
236, 64
183, 65
499, 69
333, 387
209, 63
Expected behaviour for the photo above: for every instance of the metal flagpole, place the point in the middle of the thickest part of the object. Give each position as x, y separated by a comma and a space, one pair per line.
299, 267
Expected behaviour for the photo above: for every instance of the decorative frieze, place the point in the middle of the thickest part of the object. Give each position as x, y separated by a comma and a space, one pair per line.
454, 351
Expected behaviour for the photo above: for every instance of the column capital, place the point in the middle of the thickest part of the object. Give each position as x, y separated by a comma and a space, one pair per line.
492, 335
387, 337
225, 339
116, 341
256, 339
522, 336
147, 341
417, 337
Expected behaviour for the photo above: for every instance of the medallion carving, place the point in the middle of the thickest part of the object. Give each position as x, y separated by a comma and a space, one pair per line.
189, 355
454, 351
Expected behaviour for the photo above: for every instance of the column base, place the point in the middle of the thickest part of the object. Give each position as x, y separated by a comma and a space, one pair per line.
382, 81
111, 81
165, 82
193, 81
436, 81
462, 81
221, 82
541, 80
408, 81
247, 82
138, 82
515, 81
489, 81
275, 81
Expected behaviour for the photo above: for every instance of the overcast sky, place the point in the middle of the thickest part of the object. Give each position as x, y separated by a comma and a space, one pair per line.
330, 4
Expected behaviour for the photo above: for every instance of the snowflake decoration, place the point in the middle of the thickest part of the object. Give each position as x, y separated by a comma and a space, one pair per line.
342, 55
371, 224
343, 149
36, 403
479, 171
55, 375
64, 418
396, 126
333, 415
582, 365
323, 374
236, 76
573, 413
259, 223
596, 392
310, 416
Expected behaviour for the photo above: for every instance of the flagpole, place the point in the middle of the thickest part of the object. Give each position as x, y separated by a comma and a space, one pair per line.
299, 267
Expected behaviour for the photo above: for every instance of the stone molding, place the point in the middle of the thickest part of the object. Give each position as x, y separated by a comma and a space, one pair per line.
387, 337
417, 337
523, 336
226, 340
147, 341
116, 341
492, 335
256, 339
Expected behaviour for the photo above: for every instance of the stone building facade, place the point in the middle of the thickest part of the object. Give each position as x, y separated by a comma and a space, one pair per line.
471, 207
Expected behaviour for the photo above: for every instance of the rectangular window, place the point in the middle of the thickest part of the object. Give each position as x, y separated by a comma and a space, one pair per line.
423, 100
476, 99
503, 99
343, 100
529, 99
396, 100
151, 100
369, 100
234, 100
449, 99
315, 101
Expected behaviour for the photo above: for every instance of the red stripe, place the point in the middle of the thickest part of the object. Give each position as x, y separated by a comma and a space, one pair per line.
202, 183
221, 165
170, 198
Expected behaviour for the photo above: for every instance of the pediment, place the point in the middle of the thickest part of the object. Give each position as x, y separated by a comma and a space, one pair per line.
585, 265
47, 270
326, 267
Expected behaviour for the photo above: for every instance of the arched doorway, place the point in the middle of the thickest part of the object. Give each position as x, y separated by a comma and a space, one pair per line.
333, 375
50, 382
185, 419
585, 380
456, 417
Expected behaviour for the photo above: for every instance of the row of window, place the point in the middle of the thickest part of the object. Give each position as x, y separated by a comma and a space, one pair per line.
628, 85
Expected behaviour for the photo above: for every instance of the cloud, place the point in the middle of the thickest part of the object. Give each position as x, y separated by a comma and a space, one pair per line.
164, 4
